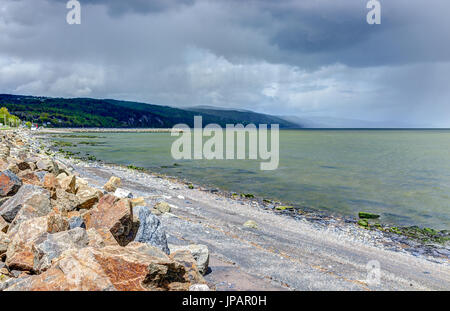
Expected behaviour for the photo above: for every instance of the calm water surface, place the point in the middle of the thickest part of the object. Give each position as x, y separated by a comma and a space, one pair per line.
403, 175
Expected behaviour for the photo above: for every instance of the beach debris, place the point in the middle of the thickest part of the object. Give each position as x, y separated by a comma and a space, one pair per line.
251, 224
112, 184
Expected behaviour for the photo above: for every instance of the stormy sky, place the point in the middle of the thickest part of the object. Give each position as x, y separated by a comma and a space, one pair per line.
305, 58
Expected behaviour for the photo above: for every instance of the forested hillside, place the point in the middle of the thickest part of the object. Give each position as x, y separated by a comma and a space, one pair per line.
88, 112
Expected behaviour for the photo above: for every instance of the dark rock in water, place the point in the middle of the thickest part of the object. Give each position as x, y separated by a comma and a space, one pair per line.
9, 183
77, 222
364, 215
150, 230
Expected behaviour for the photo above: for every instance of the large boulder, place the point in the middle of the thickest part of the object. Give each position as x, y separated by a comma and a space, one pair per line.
65, 201
47, 165
35, 197
57, 222
108, 269
19, 255
114, 215
112, 184
9, 183
4, 165
147, 249
50, 246
76, 222
187, 260
198, 251
29, 177
3, 225
4, 242
69, 183
101, 237
4, 151
122, 193
51, 184
88, 196
11, 167
23, 165
150, 230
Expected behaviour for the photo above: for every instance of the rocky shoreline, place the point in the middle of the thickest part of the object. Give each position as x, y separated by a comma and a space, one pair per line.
131, 214
59, 233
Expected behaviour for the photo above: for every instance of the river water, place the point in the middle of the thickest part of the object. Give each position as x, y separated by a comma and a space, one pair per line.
404, 175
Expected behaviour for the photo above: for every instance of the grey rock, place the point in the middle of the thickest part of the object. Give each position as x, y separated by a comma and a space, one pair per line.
9, 184
198, 251
3, 200
199, 288
123, 194
4, 242
76, 222
150, 229
11, 282
28, 194
148, 250
47, 165
50, 246
41, 175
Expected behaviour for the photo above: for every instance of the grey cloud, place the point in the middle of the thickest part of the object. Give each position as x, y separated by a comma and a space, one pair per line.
305, 58
121, 7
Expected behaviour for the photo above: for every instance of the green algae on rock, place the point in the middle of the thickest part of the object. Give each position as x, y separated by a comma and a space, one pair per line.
364, 215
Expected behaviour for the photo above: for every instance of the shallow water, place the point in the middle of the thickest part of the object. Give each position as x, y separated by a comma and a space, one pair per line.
403, 175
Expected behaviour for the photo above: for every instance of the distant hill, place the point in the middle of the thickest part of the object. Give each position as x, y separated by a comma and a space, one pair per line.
249, 116
108, 113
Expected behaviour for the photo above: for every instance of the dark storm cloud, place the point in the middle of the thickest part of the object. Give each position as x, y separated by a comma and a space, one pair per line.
291, 57
120, 7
